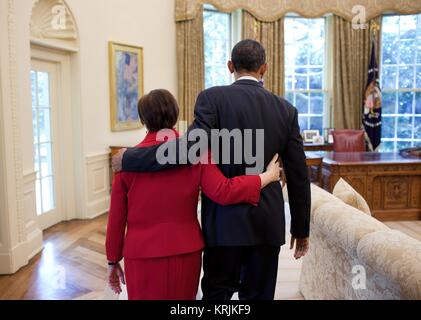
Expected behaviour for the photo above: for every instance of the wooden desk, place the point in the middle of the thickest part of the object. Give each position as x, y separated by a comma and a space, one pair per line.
318, 147
390, 183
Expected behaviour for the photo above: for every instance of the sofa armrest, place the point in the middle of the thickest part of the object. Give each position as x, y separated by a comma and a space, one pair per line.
397, 257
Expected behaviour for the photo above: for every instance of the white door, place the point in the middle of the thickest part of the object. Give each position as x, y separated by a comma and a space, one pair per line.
45, 93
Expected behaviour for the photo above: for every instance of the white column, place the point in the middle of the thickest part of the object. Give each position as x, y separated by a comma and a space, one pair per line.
20, 238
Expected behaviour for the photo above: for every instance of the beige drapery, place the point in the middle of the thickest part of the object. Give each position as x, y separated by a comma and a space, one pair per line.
190, 63
271, 36
351, 55
272, 10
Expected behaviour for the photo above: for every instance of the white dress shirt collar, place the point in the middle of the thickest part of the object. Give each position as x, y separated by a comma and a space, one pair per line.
248, 78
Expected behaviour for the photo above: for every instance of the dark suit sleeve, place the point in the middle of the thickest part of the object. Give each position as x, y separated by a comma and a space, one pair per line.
298, 181
146, 160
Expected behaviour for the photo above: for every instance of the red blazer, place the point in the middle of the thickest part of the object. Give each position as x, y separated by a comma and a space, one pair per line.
160, 208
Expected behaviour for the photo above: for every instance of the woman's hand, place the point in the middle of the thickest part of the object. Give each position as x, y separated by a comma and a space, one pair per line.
116, 278
272, 174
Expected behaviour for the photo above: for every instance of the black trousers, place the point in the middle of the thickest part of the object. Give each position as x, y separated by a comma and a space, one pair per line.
250, 271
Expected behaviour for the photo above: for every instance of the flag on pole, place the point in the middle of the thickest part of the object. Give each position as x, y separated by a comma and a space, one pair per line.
373, 104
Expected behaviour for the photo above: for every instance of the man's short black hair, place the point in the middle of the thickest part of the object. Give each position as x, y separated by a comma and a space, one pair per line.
248, 55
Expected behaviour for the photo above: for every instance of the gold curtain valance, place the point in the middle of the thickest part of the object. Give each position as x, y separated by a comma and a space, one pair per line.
272, 10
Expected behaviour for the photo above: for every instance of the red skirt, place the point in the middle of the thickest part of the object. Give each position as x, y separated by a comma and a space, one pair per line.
168, 278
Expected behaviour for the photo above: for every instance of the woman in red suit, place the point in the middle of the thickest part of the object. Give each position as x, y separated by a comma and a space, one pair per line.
153, 216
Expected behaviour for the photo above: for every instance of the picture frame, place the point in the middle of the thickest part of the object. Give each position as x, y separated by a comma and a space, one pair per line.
126, 85
309, 135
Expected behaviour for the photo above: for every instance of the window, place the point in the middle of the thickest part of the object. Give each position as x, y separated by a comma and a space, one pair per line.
43, 159
401, 82
218, 41
305, 70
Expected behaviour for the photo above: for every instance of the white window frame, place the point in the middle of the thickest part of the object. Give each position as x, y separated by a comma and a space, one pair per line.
327, 77
397, 91
235, 29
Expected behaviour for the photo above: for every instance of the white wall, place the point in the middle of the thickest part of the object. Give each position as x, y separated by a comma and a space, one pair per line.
150, 24
146, 23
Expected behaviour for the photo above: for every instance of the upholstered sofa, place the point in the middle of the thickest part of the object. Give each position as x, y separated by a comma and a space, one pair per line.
354, 256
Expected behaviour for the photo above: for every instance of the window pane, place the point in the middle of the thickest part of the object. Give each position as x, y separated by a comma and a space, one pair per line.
388, 146
389, 102
37, 161
39, 197
289, 81
407, 50
388, 127
34, 88
316, 78
417, 128
302, 101
303, 121
316, 103
44, 125
47, 185
405, 127
390, 76
43, 89
408, 26
316, 123
405, 102
290, 98
46, 160
406, 77
389, 51
217, 37
418, 103
418, 74
35, 124
419, 48
301, 79
403, 145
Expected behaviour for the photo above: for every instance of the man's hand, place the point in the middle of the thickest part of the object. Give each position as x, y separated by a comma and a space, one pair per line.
301, 247
117, 161
116, 277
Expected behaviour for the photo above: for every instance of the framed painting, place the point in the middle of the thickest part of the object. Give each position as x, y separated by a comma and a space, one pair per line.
126, 85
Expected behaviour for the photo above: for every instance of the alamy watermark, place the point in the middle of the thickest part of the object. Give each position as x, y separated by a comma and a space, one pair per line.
359, 281
58, 22
238, 147
359, 21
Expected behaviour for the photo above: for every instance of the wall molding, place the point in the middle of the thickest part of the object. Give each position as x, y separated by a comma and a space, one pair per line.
34, 236
97, 184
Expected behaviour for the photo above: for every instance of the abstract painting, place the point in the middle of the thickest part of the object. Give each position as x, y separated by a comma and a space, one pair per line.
126, 85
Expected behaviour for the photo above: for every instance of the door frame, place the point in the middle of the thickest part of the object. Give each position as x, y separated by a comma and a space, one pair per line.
64, 160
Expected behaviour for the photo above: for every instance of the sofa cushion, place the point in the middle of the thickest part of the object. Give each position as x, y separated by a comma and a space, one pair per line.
344, 225
350, 196
397, 257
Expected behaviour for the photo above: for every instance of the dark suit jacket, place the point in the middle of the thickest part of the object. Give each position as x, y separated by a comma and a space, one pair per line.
247, 105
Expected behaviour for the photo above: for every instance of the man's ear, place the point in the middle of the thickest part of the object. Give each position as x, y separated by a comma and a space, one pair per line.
263, 69
231, 67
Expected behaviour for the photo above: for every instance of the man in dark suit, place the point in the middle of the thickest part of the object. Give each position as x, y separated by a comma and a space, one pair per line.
243, 243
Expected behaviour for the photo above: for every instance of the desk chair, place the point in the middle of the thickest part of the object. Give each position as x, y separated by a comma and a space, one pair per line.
349, 141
